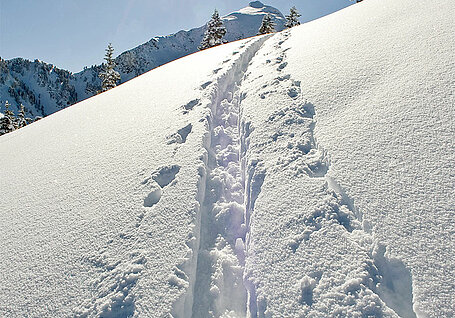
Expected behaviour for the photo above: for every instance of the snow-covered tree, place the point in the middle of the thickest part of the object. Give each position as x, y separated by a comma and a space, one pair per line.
293, 18
214, 33
21, 121
267, 26
109, 76
7, 122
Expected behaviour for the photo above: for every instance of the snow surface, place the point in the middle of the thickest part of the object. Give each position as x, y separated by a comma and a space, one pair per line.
303, 174
87, 227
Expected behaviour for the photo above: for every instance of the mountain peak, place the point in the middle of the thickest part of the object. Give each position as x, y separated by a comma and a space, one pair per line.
256, 4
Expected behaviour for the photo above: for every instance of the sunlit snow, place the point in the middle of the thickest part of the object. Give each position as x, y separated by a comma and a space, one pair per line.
308, 173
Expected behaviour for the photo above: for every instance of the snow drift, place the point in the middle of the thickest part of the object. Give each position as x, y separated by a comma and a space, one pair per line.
306, 173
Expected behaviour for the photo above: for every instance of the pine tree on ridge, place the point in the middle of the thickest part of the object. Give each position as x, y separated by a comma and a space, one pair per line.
267, 26
214, 33
21, 121
109, 76
292, 19
7, 123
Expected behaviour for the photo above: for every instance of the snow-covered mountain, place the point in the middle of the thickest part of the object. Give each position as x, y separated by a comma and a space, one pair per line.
307, 173
44, 88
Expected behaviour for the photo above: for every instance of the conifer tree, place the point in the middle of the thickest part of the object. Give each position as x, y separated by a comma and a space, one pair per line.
109, 76
293, 18
214, 33
267, 26
7, 122
21, 121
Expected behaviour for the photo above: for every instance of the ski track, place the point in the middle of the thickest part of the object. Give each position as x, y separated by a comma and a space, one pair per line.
213, 279
218, 284
214, 275
219, 287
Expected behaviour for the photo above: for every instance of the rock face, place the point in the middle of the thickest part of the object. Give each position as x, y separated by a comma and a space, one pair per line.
44, 89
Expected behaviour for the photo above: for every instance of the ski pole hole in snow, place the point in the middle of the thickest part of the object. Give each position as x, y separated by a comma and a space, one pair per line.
293, 92
283, 78
282, 66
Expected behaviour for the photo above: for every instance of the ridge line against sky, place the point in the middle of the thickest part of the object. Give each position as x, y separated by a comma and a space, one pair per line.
72, 34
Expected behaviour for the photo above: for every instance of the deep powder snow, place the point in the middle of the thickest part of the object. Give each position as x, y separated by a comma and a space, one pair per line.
307, 173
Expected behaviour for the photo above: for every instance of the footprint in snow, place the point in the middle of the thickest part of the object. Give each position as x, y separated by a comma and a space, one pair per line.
204, 86
190, 105
165, 175
282, 66
152, 198
161, 178
180, 136
283, 78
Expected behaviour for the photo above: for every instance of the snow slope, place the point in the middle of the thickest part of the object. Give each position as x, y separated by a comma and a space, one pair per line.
357, 119
304, 174
109, 205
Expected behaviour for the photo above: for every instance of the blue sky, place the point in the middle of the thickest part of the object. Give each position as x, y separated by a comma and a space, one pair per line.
74, 33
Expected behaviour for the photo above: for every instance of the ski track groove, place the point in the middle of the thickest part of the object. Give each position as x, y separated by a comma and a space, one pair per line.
220, 290
218, 285
215, 276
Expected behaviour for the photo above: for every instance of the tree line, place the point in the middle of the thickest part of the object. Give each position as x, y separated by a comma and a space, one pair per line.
215, 30
9, 122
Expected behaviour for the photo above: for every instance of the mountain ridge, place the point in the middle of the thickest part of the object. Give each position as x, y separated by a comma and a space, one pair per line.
43, 88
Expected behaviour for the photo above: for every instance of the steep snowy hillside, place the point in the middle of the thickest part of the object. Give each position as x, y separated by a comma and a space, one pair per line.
307, 173
43, 88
